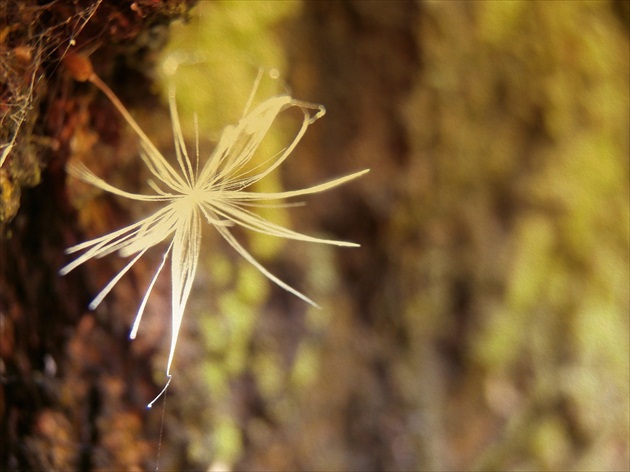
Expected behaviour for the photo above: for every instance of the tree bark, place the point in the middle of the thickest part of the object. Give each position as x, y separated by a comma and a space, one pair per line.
62, 403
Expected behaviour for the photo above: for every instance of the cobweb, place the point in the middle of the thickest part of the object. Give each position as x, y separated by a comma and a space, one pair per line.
33, 39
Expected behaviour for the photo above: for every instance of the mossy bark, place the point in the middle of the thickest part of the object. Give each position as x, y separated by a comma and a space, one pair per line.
484, 322
62, 403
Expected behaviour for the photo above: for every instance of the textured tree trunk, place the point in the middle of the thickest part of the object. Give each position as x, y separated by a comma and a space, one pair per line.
63, 403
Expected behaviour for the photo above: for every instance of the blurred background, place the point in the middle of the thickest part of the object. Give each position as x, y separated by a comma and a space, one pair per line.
482, 324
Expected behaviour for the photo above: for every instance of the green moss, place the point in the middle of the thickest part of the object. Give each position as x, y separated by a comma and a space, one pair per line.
270, 373
9, 197
217, 380
532, 262
550, 443
228, 441
235, 40
306, 365
498, 20
532, 270
252, 286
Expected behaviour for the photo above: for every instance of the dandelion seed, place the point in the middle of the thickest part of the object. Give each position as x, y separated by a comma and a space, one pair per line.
217, 192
